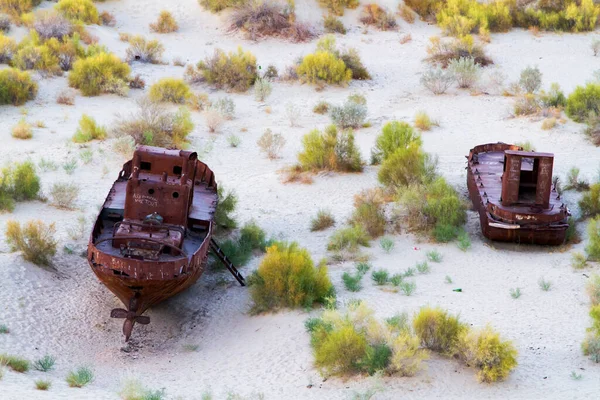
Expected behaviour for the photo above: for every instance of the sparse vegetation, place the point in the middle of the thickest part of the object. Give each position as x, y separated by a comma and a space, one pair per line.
323, 220
287, 277
348, 240
592, 288
18, 182
331, 149
352, 282
434, 256
134, 390
515, 293
377, 16
166, 23
386, 244
333, 25
64, 195
424, 122
226, 206
88, 130
589, 204
321, 107
80, 377
4, 329
22, 130
394, 135
368, 212
262, 89
544, 284
15, 363
442, 51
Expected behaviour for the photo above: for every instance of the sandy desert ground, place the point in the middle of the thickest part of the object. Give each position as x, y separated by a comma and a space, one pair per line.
66, 312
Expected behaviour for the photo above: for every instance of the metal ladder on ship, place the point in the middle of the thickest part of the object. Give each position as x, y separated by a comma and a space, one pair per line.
214, 246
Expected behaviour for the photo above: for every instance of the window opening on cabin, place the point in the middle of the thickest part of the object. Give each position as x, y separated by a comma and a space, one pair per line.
528, 180
177, 170
146, 166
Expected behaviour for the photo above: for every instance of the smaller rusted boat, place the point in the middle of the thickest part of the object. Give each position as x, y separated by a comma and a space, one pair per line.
514, 194
154, 231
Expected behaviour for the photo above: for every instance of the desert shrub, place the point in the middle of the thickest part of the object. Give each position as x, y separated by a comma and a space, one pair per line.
82, 376
155, 125
32, 54
380, 277
437, 80
41, 384
262, 89
17, 364
134, 390
407, 165
64, 194
368, 212
52, 25
526, 105
8, 48
465, 71
16, 87
101, 73
213, 119
34, 239
45, 363
574, 182
592, 288
321, 107
337, 6
583, 101
271, 144
486, 351
235, 70
578, 260
226, 206
79, 10
170, 90
287, 277
146, 51
4, 23
590, 202
352, 282
240, 249
348, 239
88, 130
349, 115
442, 51
166, 23
394, 135
219, 5
592, 249
548, 123
17, 7
591, 347
325, 67
22, 130
18, 182
434, 256
438, 330
386, 244
334, 25
423, 121
554, 97
373, 14
331, 149
224, 106
531, 79
353, 62
323, 220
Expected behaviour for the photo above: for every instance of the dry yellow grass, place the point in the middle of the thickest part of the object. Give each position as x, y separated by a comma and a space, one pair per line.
22, 130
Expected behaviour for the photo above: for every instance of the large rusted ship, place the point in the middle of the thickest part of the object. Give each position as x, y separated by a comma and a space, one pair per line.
513, 191
154, 231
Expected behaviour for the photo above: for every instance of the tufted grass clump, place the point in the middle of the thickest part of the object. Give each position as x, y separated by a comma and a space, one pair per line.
83, 11
592, 250
333, 25
101, 73
374, 15
465, 71
323, 220
234, 71
42, 384
484, 350
142, 50
434, 256
348, 239
368, 212
16, 87
380, 277
531, 79
4, 329
64, 195
352, 281
355, 342
80, 377
166, 23
17, 364
321, 107
44, 364
424, 122
170, 90
438, 330
583, 101
515, 293
22, 130
330, 150
386, 244
271, 144
351, 114
407, 287
34, 239
288, 278
88, 130
423, 267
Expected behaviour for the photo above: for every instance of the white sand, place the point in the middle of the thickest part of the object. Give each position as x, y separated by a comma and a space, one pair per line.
67, 313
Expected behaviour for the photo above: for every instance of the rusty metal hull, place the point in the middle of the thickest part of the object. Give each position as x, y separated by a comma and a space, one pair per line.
519, 223
145, 261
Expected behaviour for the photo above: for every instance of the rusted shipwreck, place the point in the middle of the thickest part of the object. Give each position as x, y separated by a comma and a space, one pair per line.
514, 193
152, 237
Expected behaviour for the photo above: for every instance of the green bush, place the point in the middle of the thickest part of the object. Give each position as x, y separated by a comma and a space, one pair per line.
101, 73
236, 71
287, 277
589, 204
438, 330
15, 8
407, 165
170, 90
333, 25
15, 363
592, 249
325, 67
352, 282
348, 239
531, 79
142, 50
583, 101
369, 214
349, 115
226, 206
337, 6
34, 239
79, 378
554, 97
394, 135
484, 350
322, 221
88, 130
18, 182
591, 347
79, 10
45, 363
380, 277
16, 87
166, 23
331, 149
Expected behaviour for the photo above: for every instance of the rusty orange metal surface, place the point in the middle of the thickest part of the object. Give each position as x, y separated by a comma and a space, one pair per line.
152, 236
513, 192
